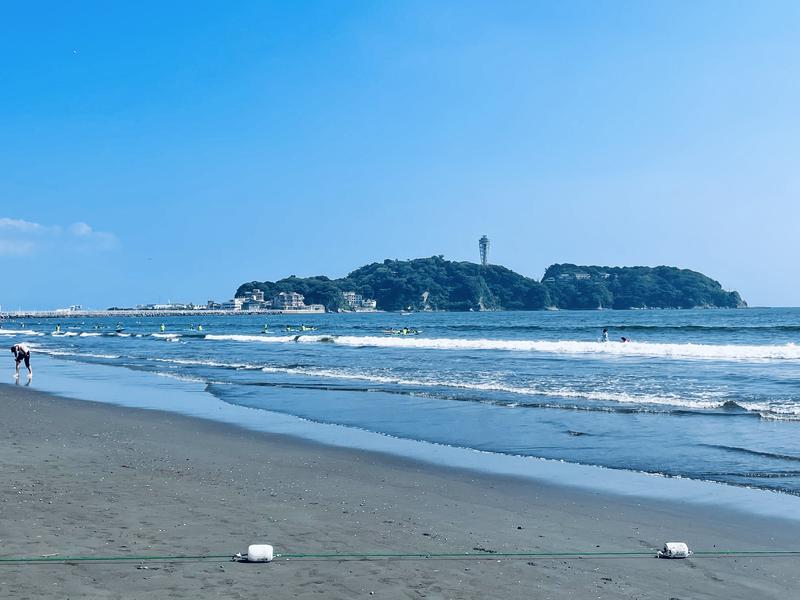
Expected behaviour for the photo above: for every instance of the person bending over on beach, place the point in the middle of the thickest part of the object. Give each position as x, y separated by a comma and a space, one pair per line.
21, 352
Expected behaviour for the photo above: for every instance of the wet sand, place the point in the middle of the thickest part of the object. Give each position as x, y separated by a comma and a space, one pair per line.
89, 479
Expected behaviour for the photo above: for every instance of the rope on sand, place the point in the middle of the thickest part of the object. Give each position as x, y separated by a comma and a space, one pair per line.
389, 556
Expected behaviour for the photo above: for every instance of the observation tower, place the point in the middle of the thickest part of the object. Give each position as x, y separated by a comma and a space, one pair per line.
483, 244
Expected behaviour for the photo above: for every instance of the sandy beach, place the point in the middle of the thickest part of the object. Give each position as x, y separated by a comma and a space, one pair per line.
89, 479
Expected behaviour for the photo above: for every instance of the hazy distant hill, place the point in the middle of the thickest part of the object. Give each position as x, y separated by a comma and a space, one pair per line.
585, 287
438, 284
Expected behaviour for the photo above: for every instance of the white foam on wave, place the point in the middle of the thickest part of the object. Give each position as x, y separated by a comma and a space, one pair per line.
733, 352
779, 411
497, 386
170, 337
264, 339
87, 334
50, 352
65, 334
789, 411
204, 363
15, 332
494, 386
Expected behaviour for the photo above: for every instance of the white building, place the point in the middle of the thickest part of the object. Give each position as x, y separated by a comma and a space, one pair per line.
288, 301
235, 304
358, 302
352, 299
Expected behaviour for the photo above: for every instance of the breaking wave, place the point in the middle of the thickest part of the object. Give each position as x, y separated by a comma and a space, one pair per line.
732, 352
15, 332
626, 402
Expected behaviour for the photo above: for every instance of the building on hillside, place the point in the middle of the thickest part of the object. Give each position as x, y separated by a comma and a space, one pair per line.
358, 302
288, 301
352, 299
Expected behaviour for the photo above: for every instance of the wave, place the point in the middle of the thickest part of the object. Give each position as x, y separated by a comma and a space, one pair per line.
533, 395
733, 352
170, 337
706, 404
51, 352
15, 332
560, 392
206, 363
750, 452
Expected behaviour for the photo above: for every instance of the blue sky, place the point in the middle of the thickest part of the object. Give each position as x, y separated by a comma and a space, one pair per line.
158, 151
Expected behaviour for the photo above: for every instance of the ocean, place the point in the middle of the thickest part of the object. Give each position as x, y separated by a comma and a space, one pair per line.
712, 395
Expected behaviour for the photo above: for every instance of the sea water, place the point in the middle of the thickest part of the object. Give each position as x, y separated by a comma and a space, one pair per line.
704, 394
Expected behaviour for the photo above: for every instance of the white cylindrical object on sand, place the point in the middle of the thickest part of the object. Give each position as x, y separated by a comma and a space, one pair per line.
259, 553
675, 550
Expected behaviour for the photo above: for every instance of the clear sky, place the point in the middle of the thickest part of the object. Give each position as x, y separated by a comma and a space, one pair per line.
154, 151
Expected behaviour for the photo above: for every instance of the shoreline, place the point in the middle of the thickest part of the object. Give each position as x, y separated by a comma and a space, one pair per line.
176, 394
109, 480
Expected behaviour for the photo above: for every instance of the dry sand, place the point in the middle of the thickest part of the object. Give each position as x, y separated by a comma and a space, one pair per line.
81, 478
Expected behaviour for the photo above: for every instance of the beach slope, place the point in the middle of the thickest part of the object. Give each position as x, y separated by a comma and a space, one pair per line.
95, 480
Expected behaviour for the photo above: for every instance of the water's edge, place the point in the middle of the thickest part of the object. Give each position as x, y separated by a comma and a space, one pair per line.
137, 389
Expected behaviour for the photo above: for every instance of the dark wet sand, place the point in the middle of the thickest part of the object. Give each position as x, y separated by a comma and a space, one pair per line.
81, 478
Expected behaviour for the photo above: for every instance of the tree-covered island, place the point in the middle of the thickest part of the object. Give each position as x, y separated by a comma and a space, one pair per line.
438, 284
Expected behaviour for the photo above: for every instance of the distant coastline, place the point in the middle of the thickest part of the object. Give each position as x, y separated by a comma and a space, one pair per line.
132, 312
438, 285
435, 284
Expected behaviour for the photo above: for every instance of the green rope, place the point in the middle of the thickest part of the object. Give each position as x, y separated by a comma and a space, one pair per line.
379, 555
34, 559
460, 554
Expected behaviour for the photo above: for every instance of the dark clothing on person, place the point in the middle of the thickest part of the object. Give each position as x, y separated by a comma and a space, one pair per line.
21, 352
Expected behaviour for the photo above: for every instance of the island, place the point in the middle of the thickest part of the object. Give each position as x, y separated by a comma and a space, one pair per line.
587, 287
436, 284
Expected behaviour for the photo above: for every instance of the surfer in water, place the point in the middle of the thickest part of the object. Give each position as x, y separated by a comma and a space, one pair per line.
605, 335
21, 352
624, 340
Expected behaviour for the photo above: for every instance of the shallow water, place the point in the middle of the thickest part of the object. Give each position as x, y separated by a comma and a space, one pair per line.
706, 394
